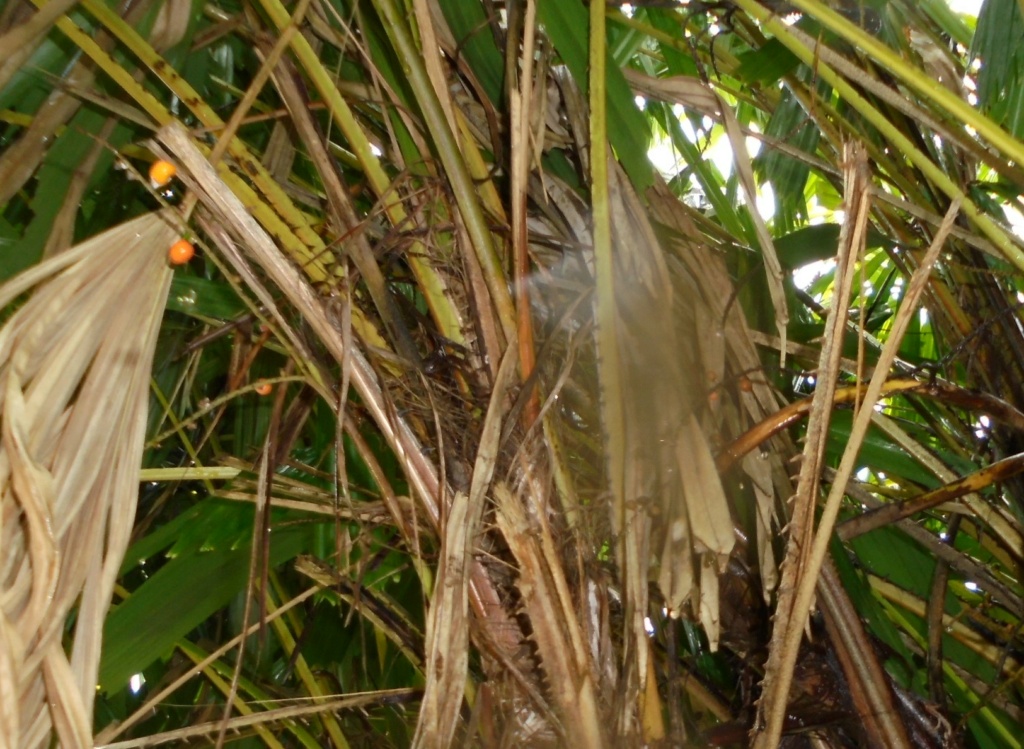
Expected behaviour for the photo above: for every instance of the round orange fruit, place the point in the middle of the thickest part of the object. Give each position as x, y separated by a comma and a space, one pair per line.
161, 172
181, 252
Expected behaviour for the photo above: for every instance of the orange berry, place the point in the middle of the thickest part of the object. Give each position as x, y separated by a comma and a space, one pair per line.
713, 397
181, 252
264, 388
745, 384
161, 172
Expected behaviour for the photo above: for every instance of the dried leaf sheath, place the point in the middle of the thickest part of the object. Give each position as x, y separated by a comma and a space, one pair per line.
75, 362
668, 458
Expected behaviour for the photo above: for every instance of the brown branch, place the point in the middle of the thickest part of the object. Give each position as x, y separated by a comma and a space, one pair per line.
996, 408
869, 685
890, 513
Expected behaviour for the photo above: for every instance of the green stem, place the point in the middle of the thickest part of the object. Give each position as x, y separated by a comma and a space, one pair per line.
449, 152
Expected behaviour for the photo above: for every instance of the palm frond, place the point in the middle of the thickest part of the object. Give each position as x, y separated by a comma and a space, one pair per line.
75, 363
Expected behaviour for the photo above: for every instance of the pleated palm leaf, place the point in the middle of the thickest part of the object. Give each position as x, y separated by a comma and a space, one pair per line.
75, 365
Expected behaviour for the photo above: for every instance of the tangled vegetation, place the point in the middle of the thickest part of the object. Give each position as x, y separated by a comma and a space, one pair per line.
548, 372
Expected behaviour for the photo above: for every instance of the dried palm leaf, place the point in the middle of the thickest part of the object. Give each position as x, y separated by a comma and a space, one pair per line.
75, 364
667, 352
724, 343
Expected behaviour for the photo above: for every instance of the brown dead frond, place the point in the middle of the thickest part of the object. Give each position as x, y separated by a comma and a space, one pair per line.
75, 363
